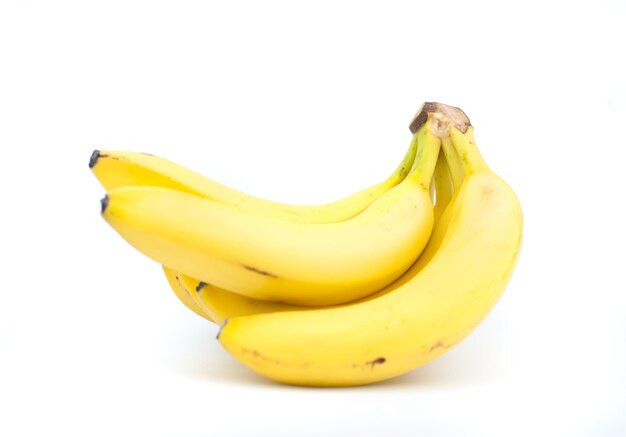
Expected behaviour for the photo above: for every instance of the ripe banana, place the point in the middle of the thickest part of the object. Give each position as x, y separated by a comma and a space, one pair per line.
116, 169
270, 259
183, 294
219, 304
474, 250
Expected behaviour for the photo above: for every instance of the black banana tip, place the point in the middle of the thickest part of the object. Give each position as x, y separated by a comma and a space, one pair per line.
94, 158
104, 202
221, 329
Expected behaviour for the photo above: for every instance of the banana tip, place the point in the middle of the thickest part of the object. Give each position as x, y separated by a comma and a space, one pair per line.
94, 158
104, 202
223, 325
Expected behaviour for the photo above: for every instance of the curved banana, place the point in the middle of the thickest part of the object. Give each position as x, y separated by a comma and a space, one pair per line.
116, 169
477, 245
269, 259
219, 304
183, 294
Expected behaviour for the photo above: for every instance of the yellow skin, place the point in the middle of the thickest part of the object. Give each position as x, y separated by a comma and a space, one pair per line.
478, 239
116, 169
183, 294
444, 187
310, 264
218, 304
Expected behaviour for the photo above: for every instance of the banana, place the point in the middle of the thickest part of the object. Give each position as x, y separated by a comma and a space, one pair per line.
270, 259
116, 169
219, 304
474, 250
183, 294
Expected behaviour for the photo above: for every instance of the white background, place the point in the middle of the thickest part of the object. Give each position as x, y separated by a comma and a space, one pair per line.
306, 103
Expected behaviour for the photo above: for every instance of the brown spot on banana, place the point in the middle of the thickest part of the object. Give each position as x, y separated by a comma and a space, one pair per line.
440, 344
264, 358
379, 360
259, 271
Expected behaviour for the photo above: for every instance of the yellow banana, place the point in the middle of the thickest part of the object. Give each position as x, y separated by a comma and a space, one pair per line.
269, 259
219, 304
183, 294
475, 248
116, 169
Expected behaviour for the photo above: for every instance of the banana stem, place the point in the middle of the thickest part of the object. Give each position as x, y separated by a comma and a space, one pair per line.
426, 157
465, 146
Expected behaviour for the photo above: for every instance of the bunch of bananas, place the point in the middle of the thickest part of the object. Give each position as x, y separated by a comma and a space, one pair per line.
347, 293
